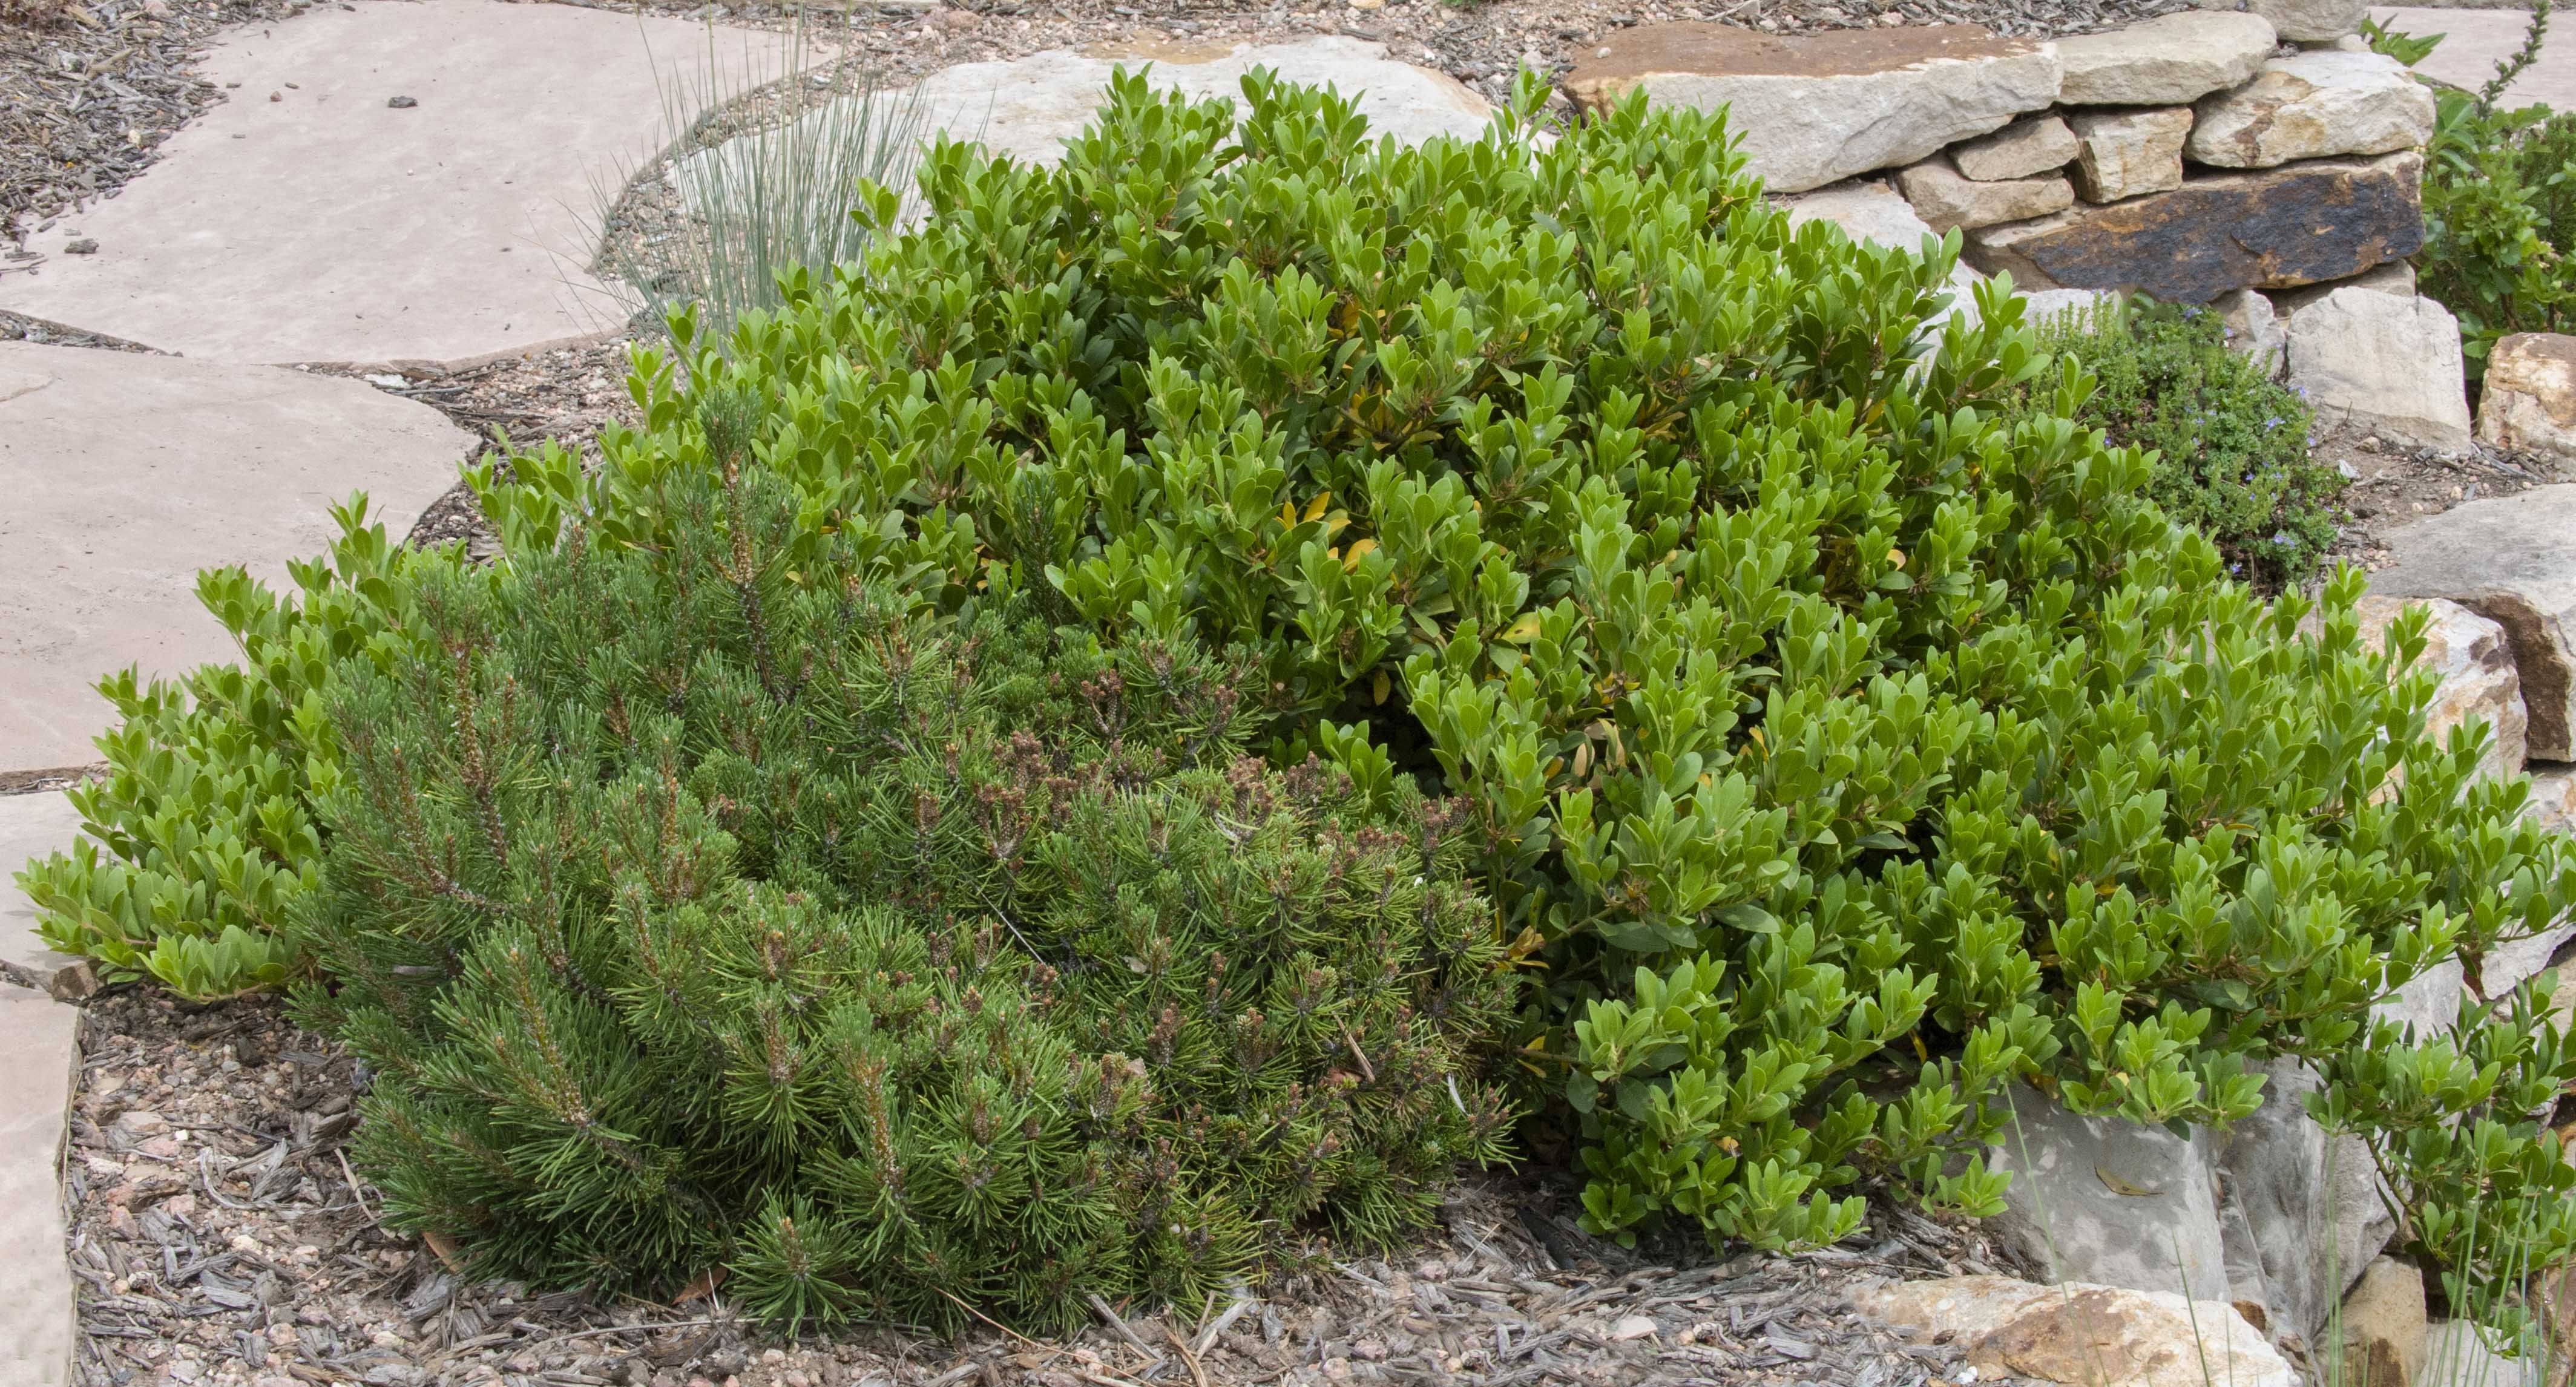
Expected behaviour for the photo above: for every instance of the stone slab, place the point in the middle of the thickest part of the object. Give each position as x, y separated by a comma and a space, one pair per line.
2310, 21
2121, 154
2318, 105
1029, 108
2512, 560
2474, 661
325, 226
2390, 362
2172, 60
2298, 224
128, 473
40, 1038
1946, 200
2481, 38
1818, 108
34, 826
2031, 145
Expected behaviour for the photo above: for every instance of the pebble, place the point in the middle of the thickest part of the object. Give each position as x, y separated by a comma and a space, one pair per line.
401, 103
83, 246
1633, 1327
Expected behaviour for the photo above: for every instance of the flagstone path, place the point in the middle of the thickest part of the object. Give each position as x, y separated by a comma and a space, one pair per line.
2479, 39
314, 218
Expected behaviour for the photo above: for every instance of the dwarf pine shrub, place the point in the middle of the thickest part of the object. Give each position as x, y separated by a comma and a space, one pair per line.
1840, 729
702, 904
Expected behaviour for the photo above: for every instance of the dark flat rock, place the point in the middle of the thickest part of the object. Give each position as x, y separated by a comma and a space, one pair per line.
2270, 229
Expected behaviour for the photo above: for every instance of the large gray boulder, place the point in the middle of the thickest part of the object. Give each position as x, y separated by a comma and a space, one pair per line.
2512, 560
2315, 105
2302, 1215
2387, 361
2172, 60
2105, 1200
1817, 108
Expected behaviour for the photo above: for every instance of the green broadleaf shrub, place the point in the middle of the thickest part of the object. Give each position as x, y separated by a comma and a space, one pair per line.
2231, 443
1842, 729
205, 814
700, 903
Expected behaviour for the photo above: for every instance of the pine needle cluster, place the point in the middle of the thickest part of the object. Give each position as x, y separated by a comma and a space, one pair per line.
703, 905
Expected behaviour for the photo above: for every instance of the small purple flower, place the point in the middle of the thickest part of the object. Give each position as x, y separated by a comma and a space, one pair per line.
2281, 537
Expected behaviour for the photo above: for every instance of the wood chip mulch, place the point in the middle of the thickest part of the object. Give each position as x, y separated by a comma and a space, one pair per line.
88, 91
219, 1238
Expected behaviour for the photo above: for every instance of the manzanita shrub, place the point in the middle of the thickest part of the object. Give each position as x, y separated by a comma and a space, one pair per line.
699, 903
1842, 732
206, 812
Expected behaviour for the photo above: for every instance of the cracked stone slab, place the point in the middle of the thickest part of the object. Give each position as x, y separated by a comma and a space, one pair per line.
328, 226
127, 473
41, 1038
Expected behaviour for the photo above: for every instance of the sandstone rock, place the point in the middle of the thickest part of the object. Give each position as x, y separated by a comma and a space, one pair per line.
2478, 678
2124, 154
2456, 1355
1867, 210
2553, 799
2396, 277
2313, 106
2106, 1201
2512, 560
2255, 330
2530, 396
2389, 362
2277, 228
2312, 21
2302, 1213
2030, 145
2167, 61
1029, 107
2102, 1336
1818, 108
1946, 200
2384, 1327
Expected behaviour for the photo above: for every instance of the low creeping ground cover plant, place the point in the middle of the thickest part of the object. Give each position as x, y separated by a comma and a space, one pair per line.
1835, 730
2231, 444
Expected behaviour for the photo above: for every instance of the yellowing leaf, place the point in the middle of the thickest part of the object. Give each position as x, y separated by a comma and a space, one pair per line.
2116, 1185
1351, 560
1379, 687
1522, 629
1315, 508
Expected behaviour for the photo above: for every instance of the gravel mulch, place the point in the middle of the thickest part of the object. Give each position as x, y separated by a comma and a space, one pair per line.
219, 1237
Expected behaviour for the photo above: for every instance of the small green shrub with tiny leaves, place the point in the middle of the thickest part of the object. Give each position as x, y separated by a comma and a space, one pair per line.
2231, 443
1842, 732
